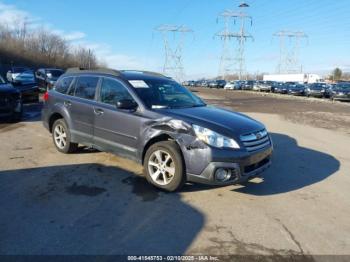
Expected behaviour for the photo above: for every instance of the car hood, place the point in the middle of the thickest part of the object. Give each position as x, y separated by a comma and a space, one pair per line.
219, 120
8, 89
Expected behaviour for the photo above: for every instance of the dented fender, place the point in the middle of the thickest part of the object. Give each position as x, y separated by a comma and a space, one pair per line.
196, 153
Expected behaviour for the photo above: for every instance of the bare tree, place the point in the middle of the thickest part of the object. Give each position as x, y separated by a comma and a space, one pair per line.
40, 47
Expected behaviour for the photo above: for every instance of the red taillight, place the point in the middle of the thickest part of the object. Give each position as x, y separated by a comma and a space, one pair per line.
46, 96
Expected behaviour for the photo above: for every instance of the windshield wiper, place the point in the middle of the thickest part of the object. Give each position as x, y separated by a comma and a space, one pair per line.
199, 105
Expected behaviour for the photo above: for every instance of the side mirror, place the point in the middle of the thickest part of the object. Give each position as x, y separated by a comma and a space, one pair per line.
127, 104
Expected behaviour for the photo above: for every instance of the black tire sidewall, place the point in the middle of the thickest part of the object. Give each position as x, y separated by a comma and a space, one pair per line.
175, 152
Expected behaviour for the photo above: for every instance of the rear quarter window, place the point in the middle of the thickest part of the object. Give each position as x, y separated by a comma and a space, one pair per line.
63, 85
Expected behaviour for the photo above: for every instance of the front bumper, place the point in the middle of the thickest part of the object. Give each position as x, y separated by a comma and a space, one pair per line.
242, 168
316, 94
341, 97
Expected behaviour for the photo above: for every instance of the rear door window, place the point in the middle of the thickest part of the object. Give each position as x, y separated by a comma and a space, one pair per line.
113, 91
63, 85
86, 87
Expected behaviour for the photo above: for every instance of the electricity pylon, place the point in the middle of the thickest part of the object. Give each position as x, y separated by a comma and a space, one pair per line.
289, 60
173, 49
228, 60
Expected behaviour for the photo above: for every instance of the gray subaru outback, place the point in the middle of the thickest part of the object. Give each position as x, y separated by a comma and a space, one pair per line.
155, 121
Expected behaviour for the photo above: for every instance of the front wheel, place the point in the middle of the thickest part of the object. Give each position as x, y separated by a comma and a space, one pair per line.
17, 116
62, 138
164, 166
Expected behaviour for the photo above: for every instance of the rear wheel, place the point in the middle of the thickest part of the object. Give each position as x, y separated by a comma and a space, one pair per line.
164, 166
62, 138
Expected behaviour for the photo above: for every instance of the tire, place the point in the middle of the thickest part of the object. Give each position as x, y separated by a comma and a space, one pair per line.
67, 147
17, 116
160, 176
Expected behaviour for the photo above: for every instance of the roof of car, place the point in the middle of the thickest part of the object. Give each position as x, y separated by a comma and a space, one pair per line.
127, 74
58, 69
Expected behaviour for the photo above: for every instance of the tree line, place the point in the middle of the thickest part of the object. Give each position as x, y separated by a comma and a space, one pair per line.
41, 48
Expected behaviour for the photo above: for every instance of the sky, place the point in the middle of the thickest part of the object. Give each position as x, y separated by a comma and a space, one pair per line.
121, 32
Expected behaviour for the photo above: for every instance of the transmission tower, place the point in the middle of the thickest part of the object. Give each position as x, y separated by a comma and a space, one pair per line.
289, 61
228, 59
173, 65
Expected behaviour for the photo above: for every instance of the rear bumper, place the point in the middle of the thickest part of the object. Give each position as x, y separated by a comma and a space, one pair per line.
241, 168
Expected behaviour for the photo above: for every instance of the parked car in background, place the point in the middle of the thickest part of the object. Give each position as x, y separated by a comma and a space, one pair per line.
217, 84
266, 86
26, 83
185, 83
158, 123
47, 77
191, 83
198, 83
10, 101
281, 88
233, 85
212, 84
341, 92
248, 85
275, 85
221, 83
317, 90
297, 90
257, 85
204, 83
15, 71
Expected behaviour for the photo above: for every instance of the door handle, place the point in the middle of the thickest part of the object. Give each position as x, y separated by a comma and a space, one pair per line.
98, 111
67, 103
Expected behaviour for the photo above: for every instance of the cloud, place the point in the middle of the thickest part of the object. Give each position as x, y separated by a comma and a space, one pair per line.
114, 60
11, 16
70, 36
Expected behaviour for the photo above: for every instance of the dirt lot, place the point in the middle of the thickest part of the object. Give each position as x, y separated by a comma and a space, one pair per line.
310, 111
93, 203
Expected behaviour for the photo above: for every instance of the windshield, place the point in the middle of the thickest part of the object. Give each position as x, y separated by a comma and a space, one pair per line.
26, 77
161, 93
18, 70
318, 86
343, 86
54, 73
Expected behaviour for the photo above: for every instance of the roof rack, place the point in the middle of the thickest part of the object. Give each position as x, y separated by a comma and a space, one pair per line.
143, 72
95, 70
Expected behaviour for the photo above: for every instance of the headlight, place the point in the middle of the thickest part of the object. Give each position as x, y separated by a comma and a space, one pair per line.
214, 139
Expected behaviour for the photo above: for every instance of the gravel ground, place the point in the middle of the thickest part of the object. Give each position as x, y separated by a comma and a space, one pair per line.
96, 203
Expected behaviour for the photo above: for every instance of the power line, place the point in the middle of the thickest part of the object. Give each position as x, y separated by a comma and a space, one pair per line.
227, 59
289, 53
173, 63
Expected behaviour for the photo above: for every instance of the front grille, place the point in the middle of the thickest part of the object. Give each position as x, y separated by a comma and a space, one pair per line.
256, 141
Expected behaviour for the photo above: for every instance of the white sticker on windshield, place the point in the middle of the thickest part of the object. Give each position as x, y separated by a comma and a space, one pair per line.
138, 84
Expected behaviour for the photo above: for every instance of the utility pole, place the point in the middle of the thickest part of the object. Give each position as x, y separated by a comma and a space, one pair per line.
289, 59
228, 60
173, 60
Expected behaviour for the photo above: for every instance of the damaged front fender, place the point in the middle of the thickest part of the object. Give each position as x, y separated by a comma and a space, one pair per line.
196, 153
